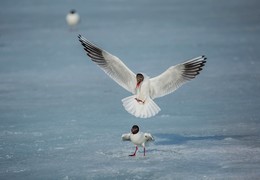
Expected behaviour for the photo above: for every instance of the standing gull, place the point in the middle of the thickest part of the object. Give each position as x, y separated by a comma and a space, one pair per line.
137, 138
143, 88
72, 18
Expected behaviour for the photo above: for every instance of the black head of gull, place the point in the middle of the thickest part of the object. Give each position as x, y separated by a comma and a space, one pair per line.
73, 11
135, 129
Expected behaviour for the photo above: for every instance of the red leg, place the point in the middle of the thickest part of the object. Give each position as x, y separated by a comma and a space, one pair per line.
136, 148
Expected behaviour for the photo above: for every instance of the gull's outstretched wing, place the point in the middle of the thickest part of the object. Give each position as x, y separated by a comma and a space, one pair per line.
110, 64
126, 137
175, 76
148, 137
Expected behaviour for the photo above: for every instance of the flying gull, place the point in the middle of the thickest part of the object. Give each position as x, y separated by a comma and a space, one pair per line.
143, 88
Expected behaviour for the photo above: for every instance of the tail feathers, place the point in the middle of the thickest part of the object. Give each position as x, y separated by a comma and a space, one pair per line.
141, 110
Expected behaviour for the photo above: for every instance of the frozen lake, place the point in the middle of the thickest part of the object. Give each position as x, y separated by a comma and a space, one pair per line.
62, 118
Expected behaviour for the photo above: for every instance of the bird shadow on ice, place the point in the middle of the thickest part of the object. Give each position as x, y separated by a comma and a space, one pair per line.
171, 139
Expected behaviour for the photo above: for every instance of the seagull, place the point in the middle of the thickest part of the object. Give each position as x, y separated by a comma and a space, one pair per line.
143, 88
72, 18
137, 138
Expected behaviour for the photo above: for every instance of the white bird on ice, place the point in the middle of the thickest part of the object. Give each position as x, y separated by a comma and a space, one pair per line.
72, 18
137, 138
143, 88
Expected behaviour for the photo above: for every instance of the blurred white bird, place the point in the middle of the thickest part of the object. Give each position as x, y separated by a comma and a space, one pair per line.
145, 89
72, 18
137, 138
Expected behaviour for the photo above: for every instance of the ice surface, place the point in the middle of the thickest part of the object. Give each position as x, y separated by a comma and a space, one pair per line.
61, 117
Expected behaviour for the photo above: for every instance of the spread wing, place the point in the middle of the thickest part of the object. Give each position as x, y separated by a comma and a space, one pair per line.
110, 64
126, 137
176, 76
148, 137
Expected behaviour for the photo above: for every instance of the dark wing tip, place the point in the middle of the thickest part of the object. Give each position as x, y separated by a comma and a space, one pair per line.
192, 68
94, 52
